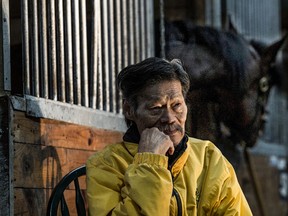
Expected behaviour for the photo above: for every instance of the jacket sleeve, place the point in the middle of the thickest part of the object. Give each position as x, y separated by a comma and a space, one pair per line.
144, 188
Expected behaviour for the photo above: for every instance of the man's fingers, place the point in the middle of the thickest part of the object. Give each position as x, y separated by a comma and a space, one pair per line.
171, 150
155, 141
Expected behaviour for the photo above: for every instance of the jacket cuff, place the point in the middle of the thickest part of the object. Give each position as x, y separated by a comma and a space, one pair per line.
152, 159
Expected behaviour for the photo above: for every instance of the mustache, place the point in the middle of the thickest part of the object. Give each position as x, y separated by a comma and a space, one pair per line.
169, 128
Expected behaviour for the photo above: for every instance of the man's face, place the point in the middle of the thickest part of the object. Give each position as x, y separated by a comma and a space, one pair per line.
162, 106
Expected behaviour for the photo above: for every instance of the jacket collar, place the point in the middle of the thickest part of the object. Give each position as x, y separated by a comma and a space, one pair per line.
132, 134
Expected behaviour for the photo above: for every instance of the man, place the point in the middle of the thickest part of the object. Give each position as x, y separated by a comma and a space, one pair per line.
157, 169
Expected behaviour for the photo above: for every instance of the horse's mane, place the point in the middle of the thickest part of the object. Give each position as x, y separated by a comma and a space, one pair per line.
227, 47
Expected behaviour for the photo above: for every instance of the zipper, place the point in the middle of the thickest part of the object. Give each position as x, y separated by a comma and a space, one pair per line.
179, 202
175, 192
178, 198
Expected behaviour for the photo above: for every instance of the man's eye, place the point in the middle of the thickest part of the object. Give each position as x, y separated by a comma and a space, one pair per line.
156, 108
177, 105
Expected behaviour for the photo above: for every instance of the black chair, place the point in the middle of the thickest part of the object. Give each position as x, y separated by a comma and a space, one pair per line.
57, 195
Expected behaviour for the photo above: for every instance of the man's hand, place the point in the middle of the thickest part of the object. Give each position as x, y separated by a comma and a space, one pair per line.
155, 141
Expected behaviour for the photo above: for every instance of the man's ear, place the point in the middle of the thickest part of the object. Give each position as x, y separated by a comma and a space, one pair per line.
128, 110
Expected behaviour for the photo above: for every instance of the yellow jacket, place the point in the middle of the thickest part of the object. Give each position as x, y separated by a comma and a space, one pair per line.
121, 181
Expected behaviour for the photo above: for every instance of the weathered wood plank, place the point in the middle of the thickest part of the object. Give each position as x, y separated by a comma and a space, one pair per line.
34, 201
37, 166
4, 157
44, 151
2, 92
31, 201
61, 134
267, 177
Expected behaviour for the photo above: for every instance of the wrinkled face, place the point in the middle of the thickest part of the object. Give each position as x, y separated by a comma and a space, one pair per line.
162, 106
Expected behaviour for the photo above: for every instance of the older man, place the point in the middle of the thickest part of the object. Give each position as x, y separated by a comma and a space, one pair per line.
157, 169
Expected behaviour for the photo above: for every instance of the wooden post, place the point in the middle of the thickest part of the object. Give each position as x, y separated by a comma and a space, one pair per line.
6, 195
5, 77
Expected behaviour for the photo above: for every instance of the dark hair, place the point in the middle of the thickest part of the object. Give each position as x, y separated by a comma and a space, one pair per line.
134, 78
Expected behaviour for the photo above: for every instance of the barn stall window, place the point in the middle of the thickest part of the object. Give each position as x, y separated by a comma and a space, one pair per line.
70, 52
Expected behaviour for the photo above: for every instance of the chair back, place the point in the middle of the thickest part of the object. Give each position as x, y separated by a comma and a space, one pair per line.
57, 195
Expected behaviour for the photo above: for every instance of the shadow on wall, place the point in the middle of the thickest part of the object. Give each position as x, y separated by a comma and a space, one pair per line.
41, 170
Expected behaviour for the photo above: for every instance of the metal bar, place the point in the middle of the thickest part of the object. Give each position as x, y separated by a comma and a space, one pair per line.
100, 59
106, 84
273, 31
143, 49
131, 34
242, 15
25, 44
35, 56
6, 45
96, 100
137, 30
43, 49
61, 52
237, 15
112, 69
84, 61
266, 19
217, 21
94, 54
254, 19
118, 18
150, 28
52, 51
261, 20
279, 22
208, 12
248, 16
76, 51
119, 47
125, 32
69, 53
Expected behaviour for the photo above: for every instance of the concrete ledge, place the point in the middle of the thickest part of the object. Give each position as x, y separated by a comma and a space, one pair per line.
45, 108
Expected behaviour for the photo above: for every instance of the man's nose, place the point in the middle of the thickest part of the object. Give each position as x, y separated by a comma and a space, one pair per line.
168, 116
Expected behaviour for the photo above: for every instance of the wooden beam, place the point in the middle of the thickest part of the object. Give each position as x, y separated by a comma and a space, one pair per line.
61, 134
6, 197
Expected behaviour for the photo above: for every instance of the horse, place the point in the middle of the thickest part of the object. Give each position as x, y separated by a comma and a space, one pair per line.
230, 80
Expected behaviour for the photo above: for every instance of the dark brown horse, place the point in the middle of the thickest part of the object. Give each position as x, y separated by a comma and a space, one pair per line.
230, 83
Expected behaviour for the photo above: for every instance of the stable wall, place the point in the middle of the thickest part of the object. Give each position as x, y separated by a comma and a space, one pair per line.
35, 153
